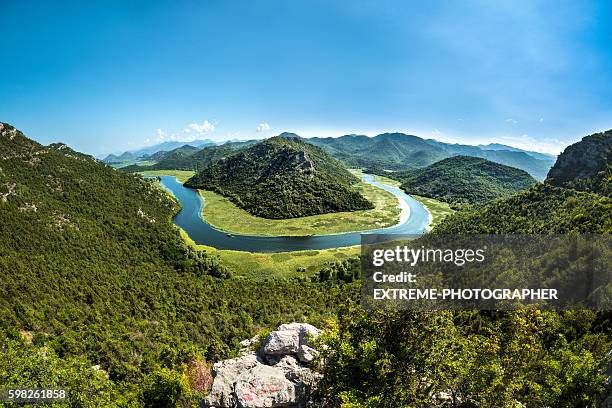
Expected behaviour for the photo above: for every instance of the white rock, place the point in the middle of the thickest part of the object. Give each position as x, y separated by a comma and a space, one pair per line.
288, 361
307, 332
306, 354
225, 373
249, 342
264, 386
279, 343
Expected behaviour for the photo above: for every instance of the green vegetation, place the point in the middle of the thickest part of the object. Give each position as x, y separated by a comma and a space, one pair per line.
464, 359
100, 293
438, 209
303, 265
391, 150
94, 273
585, 165
282, 177
543, 209
189, 159
226, 216
463, 180
471, 358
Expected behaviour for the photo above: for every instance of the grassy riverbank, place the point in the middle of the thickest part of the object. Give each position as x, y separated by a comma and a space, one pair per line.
295, 263
438, 209
222, 214
226, 216
181, 175
284, 264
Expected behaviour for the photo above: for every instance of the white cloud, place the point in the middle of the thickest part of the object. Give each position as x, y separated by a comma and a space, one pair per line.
541, 120
436, 132
526, 142
203, 127
263, 126
161, 135
511, 120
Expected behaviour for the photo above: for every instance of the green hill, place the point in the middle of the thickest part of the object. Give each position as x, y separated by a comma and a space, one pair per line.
465, 180
585, 165
93, 273
542, 358
282, 177
555, 206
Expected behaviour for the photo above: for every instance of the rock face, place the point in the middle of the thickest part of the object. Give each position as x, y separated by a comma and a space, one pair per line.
281, 342
585, 165
275, 375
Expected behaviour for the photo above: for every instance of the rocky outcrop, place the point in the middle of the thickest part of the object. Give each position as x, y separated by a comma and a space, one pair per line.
276, 374
585, 165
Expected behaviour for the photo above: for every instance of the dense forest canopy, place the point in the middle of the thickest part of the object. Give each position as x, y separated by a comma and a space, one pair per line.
283, 177
99, 293
465, 180
93, 273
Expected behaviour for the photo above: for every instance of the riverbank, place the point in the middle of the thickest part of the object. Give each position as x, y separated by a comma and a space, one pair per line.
225, 216
261, 265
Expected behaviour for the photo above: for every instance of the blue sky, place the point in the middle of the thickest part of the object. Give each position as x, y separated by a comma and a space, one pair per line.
118, 75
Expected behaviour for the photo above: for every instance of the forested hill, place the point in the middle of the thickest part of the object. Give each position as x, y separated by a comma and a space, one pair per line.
466, 180
282, 177
99, 294
547, 208
585, 165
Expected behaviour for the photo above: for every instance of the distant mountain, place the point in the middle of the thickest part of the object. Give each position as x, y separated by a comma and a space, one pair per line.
398, 151
124, 157
179, 153
499, 146
466, 180
389, 149
195, 160
585, 165
534, 163
147, 152
282, 177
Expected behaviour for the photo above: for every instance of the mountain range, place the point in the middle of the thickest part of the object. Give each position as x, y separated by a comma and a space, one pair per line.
390, 151
150, 151
574, 198
100, 294
398, 151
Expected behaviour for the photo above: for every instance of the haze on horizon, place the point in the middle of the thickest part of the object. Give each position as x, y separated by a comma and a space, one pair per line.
110, 77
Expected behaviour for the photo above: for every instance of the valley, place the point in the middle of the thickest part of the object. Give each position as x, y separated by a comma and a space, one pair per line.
122, 303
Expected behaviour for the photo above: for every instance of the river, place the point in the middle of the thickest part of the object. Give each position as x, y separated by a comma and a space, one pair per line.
414, 219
